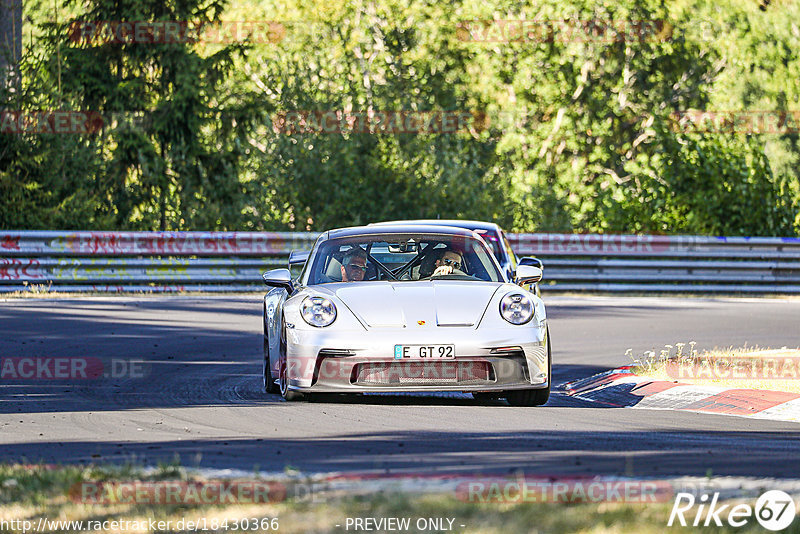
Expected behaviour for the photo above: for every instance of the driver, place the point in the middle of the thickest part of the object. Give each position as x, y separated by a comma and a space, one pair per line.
448, 262
354, 265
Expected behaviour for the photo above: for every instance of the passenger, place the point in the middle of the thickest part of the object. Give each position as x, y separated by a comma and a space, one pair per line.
354, 265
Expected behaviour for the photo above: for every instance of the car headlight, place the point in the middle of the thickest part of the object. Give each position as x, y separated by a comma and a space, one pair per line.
516, 308
318, 311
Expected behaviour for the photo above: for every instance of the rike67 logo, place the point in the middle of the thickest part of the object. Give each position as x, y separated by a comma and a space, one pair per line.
774, 510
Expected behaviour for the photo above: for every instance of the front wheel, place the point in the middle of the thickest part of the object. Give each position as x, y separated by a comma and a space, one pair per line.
283, 380
288, 395
534, 397
528, 397
269, 381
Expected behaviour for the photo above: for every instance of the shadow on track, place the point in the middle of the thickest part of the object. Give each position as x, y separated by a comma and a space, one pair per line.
187, 353
657, 453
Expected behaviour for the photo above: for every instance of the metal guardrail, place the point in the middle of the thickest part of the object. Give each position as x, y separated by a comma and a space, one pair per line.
143, 261
587, 262
234, 261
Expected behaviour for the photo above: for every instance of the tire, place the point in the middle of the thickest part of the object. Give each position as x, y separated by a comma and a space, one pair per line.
283, 382
534, 397
288, 395
270, 387
528, 397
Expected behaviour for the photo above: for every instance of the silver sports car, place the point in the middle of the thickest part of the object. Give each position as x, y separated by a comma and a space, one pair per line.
405, 308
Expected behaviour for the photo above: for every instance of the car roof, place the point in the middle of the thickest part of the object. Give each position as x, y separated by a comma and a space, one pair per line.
398, 227
469, 225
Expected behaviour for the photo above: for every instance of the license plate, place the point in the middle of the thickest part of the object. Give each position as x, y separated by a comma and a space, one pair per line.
424, 352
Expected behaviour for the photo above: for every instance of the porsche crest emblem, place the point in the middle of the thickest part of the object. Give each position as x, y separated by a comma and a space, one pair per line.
420, 323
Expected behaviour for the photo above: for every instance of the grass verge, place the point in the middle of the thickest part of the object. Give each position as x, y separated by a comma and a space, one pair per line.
31, 492
740, 368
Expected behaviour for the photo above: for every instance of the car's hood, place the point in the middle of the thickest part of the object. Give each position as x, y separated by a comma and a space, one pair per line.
399, 304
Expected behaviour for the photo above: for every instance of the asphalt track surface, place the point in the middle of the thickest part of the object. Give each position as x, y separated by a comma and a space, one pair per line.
201, 398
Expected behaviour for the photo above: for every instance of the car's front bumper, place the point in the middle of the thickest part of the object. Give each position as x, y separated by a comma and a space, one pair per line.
492, 360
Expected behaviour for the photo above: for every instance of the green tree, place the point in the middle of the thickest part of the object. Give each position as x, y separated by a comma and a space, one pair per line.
579, 135
383, 57
173, 134
47, 180
595, 151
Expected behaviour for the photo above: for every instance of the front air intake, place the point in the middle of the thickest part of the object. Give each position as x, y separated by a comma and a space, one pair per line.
450, 373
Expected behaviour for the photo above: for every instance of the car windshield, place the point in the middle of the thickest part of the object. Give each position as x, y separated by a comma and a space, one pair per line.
403, 257
491, 239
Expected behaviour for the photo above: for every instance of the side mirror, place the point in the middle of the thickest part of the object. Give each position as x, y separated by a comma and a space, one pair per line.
278, 278
528, 274
534, 262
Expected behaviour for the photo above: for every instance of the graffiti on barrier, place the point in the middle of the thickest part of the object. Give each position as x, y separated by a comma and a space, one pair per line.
10, 242
590, 244
175, 243
14, 269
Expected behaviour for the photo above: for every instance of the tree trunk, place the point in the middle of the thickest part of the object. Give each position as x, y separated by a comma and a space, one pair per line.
10, 38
